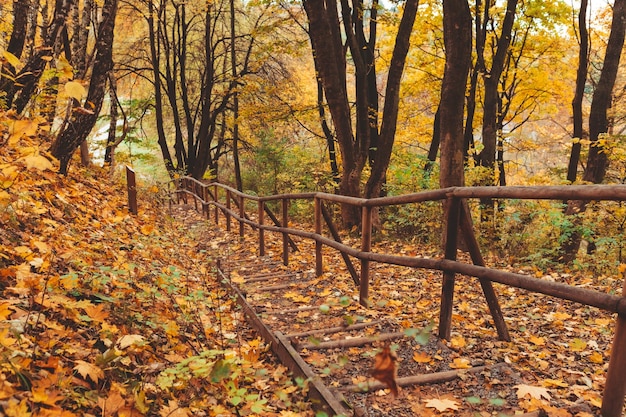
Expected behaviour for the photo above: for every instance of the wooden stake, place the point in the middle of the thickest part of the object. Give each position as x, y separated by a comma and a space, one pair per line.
615, 388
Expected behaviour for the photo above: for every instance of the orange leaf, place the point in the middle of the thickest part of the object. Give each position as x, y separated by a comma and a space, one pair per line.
421, 357
96, 313
112, 404
460, 363
88, 370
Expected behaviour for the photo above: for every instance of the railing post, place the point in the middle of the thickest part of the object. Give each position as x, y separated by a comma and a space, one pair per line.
216, 200
131, 184
366, 246
615, 386
242, 215
452, 209
261, 215
285, 223
319, 266
205, 201
228, 197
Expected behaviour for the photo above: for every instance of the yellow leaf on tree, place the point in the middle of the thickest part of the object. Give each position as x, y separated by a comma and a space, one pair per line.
11, 59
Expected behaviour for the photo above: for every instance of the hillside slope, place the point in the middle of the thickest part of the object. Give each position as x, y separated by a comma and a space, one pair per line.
104, 313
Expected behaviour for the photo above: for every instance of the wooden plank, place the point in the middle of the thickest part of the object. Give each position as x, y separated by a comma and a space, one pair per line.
422, 379
331, 330
131, 185
321, 397
366, 246
319, 266
452, 209
487, 286
354, 342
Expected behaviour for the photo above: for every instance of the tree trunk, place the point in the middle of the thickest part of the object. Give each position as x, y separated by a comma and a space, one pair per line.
577, 101
81, 122
28, 78
331, 66
457, 22
433, 150
597, 161
158, 92
17, 41
487, 156
375, 182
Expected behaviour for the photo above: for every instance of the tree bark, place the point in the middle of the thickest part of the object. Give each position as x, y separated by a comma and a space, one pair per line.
81, 122
386, 140
457, 22
17, 41
28, 78
577, 101
487, 156
330, 59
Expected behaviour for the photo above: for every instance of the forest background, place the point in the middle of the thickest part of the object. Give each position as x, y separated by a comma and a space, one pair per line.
232, 91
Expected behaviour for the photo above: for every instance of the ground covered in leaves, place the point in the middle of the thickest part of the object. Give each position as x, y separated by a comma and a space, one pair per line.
107, 314
555, 364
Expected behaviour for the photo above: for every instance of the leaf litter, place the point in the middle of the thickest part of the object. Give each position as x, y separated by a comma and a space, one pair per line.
103, 313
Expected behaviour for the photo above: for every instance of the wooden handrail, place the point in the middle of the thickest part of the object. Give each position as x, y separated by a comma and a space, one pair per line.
458, 220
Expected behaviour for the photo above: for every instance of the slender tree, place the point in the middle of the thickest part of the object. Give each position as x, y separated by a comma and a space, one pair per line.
359, 139
82, 120
577, 101
458, 42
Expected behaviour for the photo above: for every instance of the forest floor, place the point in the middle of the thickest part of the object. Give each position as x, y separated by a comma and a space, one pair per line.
103, 313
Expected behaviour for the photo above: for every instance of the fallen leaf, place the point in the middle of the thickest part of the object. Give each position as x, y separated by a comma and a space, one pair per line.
534, 392
460, 363
421, 357
129, 340
111, 404
442, 404
88, 370
38, 161
173, 410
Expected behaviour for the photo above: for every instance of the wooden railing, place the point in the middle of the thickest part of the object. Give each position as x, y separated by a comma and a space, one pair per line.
458, 221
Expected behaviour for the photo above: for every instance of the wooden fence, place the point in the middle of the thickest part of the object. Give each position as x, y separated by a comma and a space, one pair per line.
207, 196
